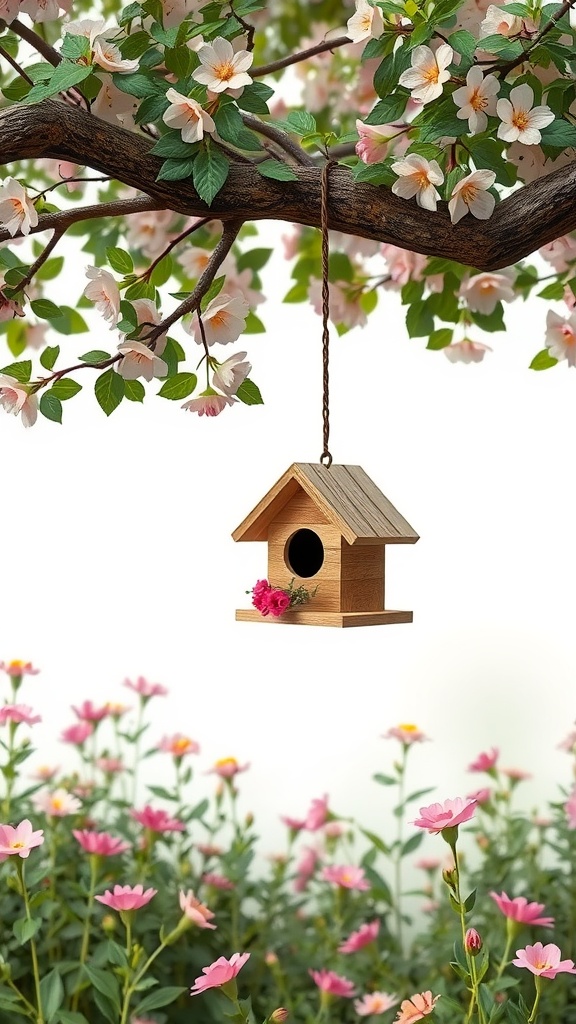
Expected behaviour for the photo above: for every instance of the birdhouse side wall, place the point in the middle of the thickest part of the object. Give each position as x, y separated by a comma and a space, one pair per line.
327, 579
362, 577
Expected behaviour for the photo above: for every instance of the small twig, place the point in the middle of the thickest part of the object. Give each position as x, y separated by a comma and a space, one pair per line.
233, 154
65, 218
15, 65
249, 29
503, 69
35, 40
280, 138
203, 335
50, 246
297, 58
68, 181
58, 374
175, 241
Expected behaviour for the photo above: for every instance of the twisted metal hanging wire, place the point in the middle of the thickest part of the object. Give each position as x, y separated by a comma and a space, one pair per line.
325, 458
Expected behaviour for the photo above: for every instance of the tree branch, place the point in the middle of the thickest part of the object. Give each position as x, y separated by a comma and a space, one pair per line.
62, 220
297, 58
530, 217
280, 138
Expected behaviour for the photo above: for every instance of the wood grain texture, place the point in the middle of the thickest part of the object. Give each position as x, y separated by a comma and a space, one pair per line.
532, 216
255, 525
364, 595
362, 562
304, 617
300, 510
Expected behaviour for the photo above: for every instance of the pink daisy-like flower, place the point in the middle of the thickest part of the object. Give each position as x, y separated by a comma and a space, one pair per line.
334, 984
570, 810
543, 960
126, 897
481, 796
436, 817
218, 881
417, 1007
485, 762
88, 712
374, 1003
157, 820
406, 732
317, 814
17, 668
366, 934
19, 840
18, 713
295, 824
100, 843
347, 876
195, 911
218, 973
519, 909
77, 734
58, 804
227, 768
178, 745
146, 689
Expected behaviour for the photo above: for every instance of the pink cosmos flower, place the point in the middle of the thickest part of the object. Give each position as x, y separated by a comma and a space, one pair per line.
366, 934
157, 820
296, 824
17, 668
334, 984
20, 840
58, 804
218, 881
436, 817
100, 843
481, 796
109, 765
88, 712
227, 768
218, 973
406, 733
374, 1003
77, 734
544, 960
18, 713
519, 909
146, 689
428, 864
126, 897
485, 762
305, 868
317, 814
196, 911
570, 809
347, 876
178, 745
415, 1008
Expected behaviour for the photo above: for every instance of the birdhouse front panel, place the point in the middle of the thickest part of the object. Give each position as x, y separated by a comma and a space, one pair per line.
362, 577
311, 556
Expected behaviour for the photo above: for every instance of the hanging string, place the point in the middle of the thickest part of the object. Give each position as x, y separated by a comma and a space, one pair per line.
325, 458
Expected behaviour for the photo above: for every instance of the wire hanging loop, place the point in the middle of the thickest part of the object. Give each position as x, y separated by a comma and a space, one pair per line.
325, 458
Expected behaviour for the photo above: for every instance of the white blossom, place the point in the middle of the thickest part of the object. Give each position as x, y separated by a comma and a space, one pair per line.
417, 177
222, 69
476, 99
428, 73
470, 195
366, 23
103, 291
187, 115
17, 211
521, 120
561, 337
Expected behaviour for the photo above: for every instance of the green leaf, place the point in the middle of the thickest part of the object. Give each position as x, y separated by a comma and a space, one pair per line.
543, 361
179, 61
70, 1017
51, 994
179, 386
65, 388
254, 324
45, 309
464, 43
160, 997
64, 77
49, 357
491, 321
554, 290
74, 47
385, 780
470, 901
504, 47
249, 393
385, 77
255, 98
51, 269
374, 174
210, 172
559, 134
171, 145
109, 390
24, 929
388, 109
214, 290
376, 841
104, 982
176, 170
139, 85
254, 259
412, 844
419, 321
95, 355
19, 371
120, 261
277, 170
151, 109
134, 391
71, 322
440, 339
51, 407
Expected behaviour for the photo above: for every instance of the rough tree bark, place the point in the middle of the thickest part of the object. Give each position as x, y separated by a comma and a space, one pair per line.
529, 218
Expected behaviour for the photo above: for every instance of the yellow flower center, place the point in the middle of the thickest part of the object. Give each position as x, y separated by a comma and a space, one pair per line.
224, 71
422, 179
432, 74
225, 761
569, 334
17, 845
57, 803
520, 120
182, 744
468, 193
220, 319
478, 101
408, 727
16, 666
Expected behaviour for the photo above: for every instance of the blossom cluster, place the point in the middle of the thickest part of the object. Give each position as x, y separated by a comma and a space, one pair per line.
271, 600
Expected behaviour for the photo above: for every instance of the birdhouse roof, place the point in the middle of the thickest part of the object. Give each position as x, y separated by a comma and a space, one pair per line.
346, 495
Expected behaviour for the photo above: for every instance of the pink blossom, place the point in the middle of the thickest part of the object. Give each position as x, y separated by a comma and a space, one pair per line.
58, 804
519, 909
195, 911
485, 762
406, 733
16, 669
345, 307
146, 689
561, 337
218, 881
333, 830
428, 863
473, 941
18, 713
230, 374
224, 320
348, 876
570, 809
178, 745
157, 820
560, 253
482, 292
334, 984
436, 817
103, 291
296, 824
481, 796
127, 897
569, 744
402, 265
305, 868
45, 772
209, 849
366, 934
219, 972
544, 960
9, 308
88, 712
415, 1008
466, 351
278, 602
109, 765
374, 1003
77, 734
17, 211
147, 231
20, 840
227, 768
15, 398
116, 710
516, 774
100, 843
209, 403
317, 814
374, 140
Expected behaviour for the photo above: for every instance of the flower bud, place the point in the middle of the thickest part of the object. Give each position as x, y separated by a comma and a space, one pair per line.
473, 942
279, 1016
449, 876
270, 958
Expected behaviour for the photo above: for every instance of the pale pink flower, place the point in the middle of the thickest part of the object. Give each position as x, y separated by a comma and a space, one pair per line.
194, 261
428, 863
482, 292
187, 115
18, 713
239, 283
476, 99
103, 291
44, 10
227, 768
140, 361
481, 796
9, 9
500, 23
178, 745
561, 253
561, 337
345, 306
218, 881
126, 897
88, 712
402, 265
374, 1003
407, 733
115, 107
77, 734
466, 351
90, 28
17, 211
306, 867
9, 309
15, 669
570, 810
148, 231
334, 984
415, 1008
519, 909
230, 374
219, 972
58, 804
418, 177
516, 774
427, 75
15, 398
175, 11
569, 744
333, 830
317, 815
224, 320
109, 57
532, 163
195, 911
470, 195
209, 849
222, 69
374, 140
116, 709
102, 844
521, 120
367, 22
157, 820
146, 689
209, 403
485, 762
366, 934
569, 298
436, 817
20, 840
45, 772
544, 960
348, 876
109, 765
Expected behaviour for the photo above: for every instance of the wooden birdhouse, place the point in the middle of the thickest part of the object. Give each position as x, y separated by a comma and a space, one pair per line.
327, 528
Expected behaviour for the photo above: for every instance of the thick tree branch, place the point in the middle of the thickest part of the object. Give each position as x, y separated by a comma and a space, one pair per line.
60, 222
530, 217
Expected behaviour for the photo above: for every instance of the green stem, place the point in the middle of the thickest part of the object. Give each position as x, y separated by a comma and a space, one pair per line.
474, 1001
131, 988
86, 929
9, 773
510, 935
137, 750
538, 983
29, 1006
398, 854
33, 950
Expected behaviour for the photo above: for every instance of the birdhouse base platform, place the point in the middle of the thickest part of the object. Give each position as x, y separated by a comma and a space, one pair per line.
305, 617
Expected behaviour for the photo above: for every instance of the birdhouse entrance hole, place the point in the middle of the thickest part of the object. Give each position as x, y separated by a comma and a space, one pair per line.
304, 553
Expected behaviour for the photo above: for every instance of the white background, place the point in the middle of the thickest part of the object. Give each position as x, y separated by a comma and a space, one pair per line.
117, 561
